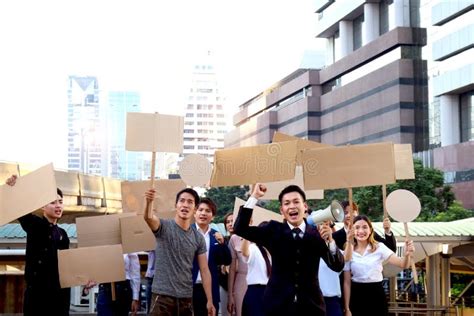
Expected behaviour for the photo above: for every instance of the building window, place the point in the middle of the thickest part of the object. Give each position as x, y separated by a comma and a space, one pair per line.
188, 147
188, 123
357, 28
467, 116
190, 106
189, 115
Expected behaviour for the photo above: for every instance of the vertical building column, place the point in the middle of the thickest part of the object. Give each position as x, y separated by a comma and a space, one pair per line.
371, 25
330, 53
449, 116
399, 13
433, 292
445, 281
346, 35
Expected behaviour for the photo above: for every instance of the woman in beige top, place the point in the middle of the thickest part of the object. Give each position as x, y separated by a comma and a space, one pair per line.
237, 276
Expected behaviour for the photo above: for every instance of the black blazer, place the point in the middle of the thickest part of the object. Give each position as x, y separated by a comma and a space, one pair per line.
340, 237
218, 255
41, 269
293, 288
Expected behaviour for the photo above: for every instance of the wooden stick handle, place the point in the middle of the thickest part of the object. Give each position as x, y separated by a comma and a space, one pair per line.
384, 199
112, 287
149, 206
413, 267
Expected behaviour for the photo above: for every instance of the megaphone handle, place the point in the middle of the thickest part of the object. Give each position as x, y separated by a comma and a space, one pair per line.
413, 268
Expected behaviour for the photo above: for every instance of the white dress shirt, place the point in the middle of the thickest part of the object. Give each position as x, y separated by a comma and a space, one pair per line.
132, 272
367, 268
150, 267
208, 244
328, 280
257, 268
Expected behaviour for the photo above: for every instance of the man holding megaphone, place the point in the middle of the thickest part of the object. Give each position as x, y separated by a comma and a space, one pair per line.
296, 249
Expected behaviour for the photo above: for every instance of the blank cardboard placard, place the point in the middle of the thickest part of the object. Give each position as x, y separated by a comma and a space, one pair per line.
404, 168
136, 235
274, 188
259, 213
99, 230
133, 195
263, 163
195, 170
30, 193
403, 205
154, 132
101, 264
348, 166
302, 144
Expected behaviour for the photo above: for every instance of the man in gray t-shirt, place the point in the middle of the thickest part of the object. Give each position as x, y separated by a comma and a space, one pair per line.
177, 244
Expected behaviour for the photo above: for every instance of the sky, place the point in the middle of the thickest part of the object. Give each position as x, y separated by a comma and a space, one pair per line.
145, 46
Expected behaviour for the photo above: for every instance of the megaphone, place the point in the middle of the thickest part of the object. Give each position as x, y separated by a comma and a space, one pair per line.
333, 212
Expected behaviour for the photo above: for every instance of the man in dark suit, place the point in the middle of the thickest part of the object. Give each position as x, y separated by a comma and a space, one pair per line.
43, 240
217, 254
296, 249
340, 236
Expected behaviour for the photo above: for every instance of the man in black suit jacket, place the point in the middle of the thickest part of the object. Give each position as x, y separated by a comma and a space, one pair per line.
296, 248
340, 236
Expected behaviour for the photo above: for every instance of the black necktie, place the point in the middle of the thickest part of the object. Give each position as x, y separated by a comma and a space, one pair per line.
296, 231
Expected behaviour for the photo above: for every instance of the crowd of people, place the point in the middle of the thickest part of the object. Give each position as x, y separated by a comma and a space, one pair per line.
274, 268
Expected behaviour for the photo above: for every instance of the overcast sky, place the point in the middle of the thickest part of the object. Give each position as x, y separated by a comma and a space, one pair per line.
146, 46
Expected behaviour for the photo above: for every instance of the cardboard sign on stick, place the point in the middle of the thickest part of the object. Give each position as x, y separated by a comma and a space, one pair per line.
403, 205
154, 132
259, 213
348, 166
404, 168
263, 163
133, 195
302, 144
195, 170
101, 264
274, 188
99, 230
29, 193
136, 235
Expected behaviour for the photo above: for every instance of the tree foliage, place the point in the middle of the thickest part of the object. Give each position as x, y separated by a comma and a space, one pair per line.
224, 197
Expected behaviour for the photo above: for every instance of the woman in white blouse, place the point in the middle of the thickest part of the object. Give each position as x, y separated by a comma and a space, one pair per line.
363, 290
258, 272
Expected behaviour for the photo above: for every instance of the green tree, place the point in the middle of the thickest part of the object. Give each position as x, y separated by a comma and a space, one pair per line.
225, 198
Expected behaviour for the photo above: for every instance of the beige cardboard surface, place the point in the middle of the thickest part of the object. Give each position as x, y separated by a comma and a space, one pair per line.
404, 168
7, 170
259, 213
133, 195
101, 264
136, 235
403, 205
154, 132
302, 144
195, 170
30, 193
274, 188
348, 166
263, 163
99, 230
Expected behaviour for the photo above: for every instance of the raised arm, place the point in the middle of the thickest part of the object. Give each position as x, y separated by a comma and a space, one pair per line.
153, 221
405, 261
329, 251
206, 283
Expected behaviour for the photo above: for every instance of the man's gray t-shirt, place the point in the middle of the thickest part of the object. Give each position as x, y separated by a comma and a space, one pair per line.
174, 256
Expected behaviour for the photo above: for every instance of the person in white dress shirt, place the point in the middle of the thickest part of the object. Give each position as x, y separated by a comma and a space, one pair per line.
363, 290
258, 272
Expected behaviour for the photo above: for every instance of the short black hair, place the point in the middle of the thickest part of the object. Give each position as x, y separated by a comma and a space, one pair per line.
190, 191
344, 204
289, 189
210, 203
59, 192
